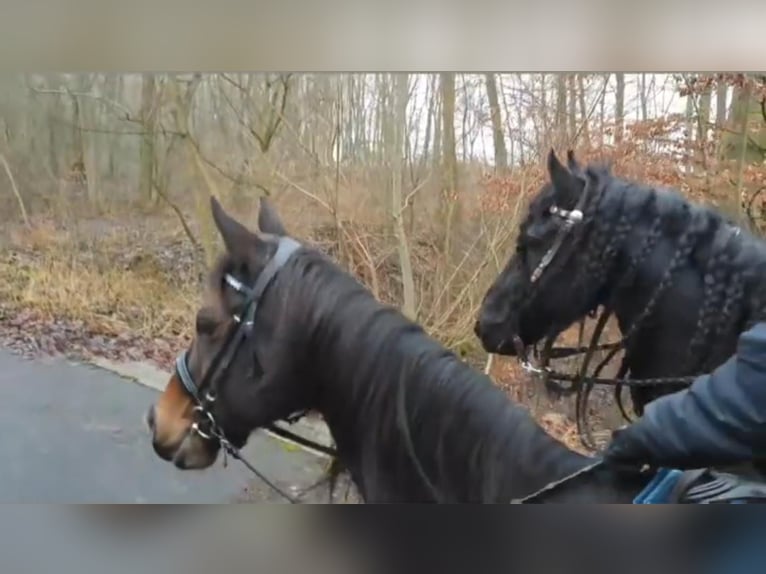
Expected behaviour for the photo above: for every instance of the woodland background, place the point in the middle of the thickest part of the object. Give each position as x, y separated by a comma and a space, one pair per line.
414, 182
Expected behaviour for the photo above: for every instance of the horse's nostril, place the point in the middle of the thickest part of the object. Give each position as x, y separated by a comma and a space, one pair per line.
477, 329
150, 418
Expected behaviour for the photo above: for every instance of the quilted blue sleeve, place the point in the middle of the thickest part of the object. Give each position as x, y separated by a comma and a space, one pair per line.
720, 419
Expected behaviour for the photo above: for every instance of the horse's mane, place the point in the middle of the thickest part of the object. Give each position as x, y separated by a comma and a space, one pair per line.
731, 261
419, 416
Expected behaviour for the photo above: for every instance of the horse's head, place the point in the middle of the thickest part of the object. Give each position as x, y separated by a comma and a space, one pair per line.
529, 300
237, 374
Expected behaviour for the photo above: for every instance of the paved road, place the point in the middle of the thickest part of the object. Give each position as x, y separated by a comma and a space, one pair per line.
72, 433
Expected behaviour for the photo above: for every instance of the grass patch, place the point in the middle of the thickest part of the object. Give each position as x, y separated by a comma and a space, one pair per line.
53, 275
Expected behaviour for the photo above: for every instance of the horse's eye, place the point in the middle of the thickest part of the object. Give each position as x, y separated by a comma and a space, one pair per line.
206, 323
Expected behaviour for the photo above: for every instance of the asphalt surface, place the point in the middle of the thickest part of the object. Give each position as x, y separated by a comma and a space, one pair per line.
72, 433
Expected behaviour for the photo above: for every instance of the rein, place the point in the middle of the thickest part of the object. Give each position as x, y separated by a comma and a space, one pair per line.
242, 330
556, 483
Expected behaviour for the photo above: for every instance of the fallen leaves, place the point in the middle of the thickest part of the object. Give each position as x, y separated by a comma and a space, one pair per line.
33, 334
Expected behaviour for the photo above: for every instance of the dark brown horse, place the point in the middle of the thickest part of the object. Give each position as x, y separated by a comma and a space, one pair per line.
284, 330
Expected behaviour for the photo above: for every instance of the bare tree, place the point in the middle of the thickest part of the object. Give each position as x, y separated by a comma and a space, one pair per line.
498, 138
398, 130
182, 94
16, 193
703, 123
560, 132
721, 94
147, 154
449, 155
689, 129
584, 113
602, 109
572, 112
643, 97
619, 107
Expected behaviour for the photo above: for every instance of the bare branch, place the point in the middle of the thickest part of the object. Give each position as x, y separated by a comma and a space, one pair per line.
15, 189
127, 114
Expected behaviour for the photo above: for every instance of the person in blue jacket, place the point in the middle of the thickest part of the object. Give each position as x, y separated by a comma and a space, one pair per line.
720, 420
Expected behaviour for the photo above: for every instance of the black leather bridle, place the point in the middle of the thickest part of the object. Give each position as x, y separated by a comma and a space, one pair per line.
205, 392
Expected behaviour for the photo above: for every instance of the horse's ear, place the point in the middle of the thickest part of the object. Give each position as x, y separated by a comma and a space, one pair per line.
240, 242
567, 185
572, 163
268, 219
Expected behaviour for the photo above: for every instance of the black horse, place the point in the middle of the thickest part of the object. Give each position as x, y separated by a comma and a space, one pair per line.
682, 280
285, 330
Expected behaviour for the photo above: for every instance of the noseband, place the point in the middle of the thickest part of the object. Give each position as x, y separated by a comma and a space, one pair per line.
205, 425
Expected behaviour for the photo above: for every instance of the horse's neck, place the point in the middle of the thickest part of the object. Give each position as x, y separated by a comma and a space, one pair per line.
399, 407
469, 457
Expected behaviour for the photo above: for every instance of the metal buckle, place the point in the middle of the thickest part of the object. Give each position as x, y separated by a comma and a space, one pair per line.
214, 434
570, 217
528, 367
236, 284
196, 429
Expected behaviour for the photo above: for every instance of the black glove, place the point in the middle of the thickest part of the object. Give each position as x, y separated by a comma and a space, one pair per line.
626, 451
629, 452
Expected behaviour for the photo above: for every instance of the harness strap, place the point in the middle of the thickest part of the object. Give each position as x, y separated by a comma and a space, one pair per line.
286, 247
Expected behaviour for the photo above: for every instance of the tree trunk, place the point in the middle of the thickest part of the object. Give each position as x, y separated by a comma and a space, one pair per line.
689, 130
643, 98
721, 92
704, 115
146, 151
703, 122
498, 139
560, 131
745, 111
619, 107
438, 138
602, 109
449, 163
86, 140
583, 109
181, 110
543, 131
430, 121
77, 131
398, 130
573, 135
464, 121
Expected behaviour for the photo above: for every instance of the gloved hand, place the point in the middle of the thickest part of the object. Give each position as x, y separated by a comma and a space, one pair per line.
629, 451
626, 451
